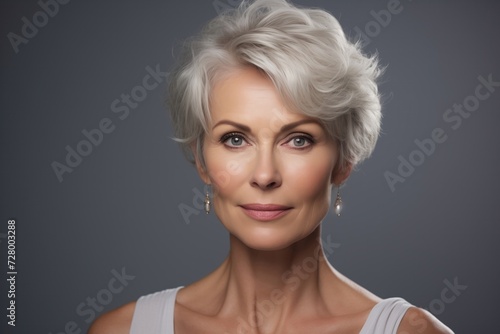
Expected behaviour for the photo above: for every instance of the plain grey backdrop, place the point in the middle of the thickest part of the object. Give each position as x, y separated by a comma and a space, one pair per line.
112, 230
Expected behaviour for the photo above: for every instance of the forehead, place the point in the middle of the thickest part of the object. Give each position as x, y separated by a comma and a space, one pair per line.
248, 94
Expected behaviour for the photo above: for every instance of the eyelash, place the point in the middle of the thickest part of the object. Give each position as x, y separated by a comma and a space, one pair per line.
230, 135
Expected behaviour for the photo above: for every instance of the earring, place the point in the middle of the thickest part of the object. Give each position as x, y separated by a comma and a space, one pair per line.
337, 206
207, 202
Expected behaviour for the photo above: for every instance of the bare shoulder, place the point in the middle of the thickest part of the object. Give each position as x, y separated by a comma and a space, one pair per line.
417, 320
117, 321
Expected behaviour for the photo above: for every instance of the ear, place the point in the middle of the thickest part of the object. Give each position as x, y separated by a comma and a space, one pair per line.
340, 174
201, 170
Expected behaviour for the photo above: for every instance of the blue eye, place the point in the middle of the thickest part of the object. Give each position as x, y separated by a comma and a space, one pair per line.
235, 141
301, 141
232, 139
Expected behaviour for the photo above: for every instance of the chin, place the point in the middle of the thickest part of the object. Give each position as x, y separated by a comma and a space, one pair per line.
267, 239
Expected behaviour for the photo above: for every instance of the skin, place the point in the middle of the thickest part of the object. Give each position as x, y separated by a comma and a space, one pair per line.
276, 278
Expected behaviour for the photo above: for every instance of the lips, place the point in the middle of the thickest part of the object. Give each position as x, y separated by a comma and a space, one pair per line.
265, 212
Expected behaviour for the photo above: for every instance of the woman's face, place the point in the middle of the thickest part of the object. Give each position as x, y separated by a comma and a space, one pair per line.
271, 169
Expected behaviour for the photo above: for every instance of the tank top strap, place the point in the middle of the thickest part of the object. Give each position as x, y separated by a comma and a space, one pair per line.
154, 313
386, 316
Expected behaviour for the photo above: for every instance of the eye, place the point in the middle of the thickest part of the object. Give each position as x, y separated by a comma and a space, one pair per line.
232, 139
301, 141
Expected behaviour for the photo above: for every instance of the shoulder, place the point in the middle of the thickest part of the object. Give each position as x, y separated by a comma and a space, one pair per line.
417, 320
117, 321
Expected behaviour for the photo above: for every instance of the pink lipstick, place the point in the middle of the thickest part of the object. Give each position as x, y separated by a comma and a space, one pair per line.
265, 212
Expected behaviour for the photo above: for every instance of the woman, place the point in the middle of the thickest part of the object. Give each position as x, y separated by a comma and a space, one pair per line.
275, 107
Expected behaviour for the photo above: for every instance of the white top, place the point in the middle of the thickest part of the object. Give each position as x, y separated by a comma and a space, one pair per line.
154, 314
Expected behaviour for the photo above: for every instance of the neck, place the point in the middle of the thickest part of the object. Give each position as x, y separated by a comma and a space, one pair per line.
273, 282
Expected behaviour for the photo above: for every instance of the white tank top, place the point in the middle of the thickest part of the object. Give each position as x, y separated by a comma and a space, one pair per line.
154, 314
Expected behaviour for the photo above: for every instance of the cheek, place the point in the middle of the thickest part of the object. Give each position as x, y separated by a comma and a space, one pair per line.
310, 176
226, 171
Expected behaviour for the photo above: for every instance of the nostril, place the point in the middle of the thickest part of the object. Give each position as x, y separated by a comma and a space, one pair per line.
264, 185
271, 185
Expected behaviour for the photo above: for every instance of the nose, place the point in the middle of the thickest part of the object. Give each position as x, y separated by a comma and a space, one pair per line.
266, 174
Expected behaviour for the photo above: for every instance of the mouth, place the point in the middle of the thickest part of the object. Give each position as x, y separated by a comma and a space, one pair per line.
265, 212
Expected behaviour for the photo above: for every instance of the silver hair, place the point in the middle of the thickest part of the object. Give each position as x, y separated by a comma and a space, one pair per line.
305, 53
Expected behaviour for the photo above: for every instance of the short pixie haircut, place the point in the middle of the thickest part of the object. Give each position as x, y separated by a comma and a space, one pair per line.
305, 53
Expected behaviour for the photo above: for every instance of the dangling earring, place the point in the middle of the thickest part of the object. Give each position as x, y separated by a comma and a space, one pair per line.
337, 206
207, 202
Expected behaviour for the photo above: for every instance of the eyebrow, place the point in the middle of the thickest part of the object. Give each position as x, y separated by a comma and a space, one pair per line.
284, 128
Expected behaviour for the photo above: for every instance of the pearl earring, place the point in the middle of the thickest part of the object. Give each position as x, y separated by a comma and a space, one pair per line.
337, 206
207, 202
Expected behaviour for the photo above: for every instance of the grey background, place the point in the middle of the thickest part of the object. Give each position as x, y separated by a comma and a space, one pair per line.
120, 207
